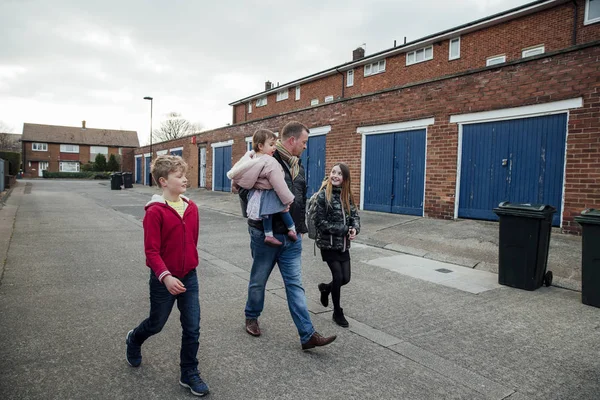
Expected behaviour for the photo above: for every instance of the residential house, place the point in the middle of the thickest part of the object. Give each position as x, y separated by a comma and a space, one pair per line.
65, 148
505, 108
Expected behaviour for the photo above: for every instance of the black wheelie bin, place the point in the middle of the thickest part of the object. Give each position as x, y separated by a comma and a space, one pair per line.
523, 246
590, 257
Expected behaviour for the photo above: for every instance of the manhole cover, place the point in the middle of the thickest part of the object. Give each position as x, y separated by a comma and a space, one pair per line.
444, 270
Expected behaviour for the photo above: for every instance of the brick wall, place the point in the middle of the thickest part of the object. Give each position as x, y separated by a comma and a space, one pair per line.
552, 27
570, 74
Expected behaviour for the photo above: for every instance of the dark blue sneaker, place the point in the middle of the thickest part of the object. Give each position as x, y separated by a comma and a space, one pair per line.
192, 381
134, 352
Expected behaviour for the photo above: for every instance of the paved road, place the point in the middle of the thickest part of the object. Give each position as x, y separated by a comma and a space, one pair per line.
74, 282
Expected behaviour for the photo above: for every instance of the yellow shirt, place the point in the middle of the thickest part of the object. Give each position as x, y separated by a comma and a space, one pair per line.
178, 206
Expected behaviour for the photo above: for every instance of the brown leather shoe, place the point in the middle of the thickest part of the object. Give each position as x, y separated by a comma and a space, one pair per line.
316, 340
252, 326
272, 241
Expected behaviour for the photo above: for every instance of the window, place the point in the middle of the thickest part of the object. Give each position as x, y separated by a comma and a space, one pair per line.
592, 12
328, 99
43, 165
95, 150
417, 56
533, 51
314, 102
283, 94
375, 68
69, 148
454, 49
261, 102
66, 166
250, 108
350, 78
248, 143
39, 146
495, 60
297, 92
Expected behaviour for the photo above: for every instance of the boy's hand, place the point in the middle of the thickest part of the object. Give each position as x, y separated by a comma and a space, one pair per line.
174, 285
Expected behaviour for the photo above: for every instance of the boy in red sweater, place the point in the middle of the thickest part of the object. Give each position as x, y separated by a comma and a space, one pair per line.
170, 240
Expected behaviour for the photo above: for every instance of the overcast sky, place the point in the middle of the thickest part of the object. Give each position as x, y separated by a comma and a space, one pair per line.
64, 61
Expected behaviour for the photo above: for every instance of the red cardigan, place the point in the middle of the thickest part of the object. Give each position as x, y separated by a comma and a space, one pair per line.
170, 242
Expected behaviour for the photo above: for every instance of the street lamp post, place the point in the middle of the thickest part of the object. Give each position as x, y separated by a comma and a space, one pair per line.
151, 153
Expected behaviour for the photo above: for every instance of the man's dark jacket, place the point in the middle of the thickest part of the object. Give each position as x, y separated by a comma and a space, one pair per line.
298, 207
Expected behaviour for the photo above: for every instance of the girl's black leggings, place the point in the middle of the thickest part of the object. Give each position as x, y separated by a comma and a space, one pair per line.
340, 272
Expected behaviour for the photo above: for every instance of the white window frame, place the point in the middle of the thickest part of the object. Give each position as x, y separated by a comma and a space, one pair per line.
587, 20
297, 92
314, 102
162, 152
248, 143
261, 101
63, 163
450, 56
328, 99
69, 148
283, 94
249, 107
495, 60
375, 68
414, 53
533, 51
350, 78
39, 146
95, 150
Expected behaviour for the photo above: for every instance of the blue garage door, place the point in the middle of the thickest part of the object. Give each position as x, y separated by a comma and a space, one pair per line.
520, 160
147, 178
395, 172
313, 159
222, 165
138, 170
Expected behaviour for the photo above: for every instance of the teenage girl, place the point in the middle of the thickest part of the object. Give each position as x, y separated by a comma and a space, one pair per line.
337, 224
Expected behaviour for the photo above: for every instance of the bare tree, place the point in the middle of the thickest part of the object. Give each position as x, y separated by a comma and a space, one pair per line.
175, 126
8, 141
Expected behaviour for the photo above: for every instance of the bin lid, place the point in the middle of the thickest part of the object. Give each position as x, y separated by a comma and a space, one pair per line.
525, 210
589, 216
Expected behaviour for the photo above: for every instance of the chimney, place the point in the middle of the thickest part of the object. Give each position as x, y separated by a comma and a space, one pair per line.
83, 124
268, 85
358, 54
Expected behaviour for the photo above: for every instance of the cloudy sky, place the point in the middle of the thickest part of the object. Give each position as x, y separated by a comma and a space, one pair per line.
64, 61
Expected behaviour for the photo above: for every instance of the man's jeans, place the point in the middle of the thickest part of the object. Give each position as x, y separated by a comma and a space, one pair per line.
161, 304
288, 258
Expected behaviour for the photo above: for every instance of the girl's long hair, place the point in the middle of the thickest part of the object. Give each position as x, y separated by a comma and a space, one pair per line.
346, 197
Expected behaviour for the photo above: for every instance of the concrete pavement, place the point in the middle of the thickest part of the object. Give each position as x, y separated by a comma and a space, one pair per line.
75, 282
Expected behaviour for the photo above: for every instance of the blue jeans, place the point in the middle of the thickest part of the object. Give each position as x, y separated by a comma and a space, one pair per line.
161, 304
288, 258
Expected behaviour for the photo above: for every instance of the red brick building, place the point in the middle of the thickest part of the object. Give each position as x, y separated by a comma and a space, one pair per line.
503, 108
65, 148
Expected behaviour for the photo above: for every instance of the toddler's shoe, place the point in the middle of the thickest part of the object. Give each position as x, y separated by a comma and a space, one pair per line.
272, 241
292, 235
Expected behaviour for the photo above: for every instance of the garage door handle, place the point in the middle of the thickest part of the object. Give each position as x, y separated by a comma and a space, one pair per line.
504, 162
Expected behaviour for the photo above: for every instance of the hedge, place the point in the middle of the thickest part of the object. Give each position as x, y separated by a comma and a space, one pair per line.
14, 161
77, 175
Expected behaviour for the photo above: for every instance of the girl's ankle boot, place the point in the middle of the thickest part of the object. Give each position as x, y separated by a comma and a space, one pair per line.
338, 318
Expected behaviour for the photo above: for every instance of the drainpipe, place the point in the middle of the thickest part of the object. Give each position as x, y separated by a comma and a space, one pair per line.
575, 22
343, 81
